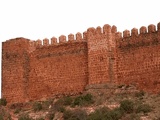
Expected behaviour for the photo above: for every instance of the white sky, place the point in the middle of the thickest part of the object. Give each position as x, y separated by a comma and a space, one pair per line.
38, 19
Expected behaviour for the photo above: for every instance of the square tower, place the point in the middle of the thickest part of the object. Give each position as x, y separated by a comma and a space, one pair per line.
101, 47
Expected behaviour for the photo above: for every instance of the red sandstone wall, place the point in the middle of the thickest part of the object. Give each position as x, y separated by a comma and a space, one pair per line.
138, 58
100, 54
14, 69
58, 69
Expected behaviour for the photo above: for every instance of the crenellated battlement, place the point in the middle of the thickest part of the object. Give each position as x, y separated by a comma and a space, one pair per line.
78, 37
105, 30
99, 32
128, 38
135, 38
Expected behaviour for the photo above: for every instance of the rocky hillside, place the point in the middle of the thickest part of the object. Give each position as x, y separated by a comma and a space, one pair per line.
98, 102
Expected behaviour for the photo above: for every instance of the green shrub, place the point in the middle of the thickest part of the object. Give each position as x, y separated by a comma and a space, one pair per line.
78, 100
24, 117
98, 114
105, 114
127, 106
115, 114
140, 94
61, 109
132, 116
68, 100
17, 110
58, 105
46, 104
77, 114
88, 97
83, 100
1, 117
37, 106
3, 102
145, 108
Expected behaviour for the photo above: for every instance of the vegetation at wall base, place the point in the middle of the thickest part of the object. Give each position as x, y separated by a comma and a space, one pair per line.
37, 106
141, 93
24, 117
77, 114
145, 108
3, 102
127, 106
50, 115
118, 105
83, 100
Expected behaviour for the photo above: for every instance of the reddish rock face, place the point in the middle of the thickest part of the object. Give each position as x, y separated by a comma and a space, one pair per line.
32, 70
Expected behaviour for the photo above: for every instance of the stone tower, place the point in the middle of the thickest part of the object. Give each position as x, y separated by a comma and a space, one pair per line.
101, 48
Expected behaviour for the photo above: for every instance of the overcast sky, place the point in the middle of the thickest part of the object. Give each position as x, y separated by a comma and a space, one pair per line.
38, 19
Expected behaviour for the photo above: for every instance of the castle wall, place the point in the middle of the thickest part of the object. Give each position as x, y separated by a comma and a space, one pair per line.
32, 70
58, 69
138, 58
14, 69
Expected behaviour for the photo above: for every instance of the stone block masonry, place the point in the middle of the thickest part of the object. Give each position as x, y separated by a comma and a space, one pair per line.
138, 58
32, 70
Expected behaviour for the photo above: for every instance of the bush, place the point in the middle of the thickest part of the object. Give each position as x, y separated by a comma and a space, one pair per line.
68, 100
3, 102
24, 117
61, 109
140, 94
37, 106
132, 116
105, 114
1, 117
58, 105
145, 108
17, 110
83, 100
88, 97
46, 104
98, 114
77, 114
78, 100
115, 114
127, 106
